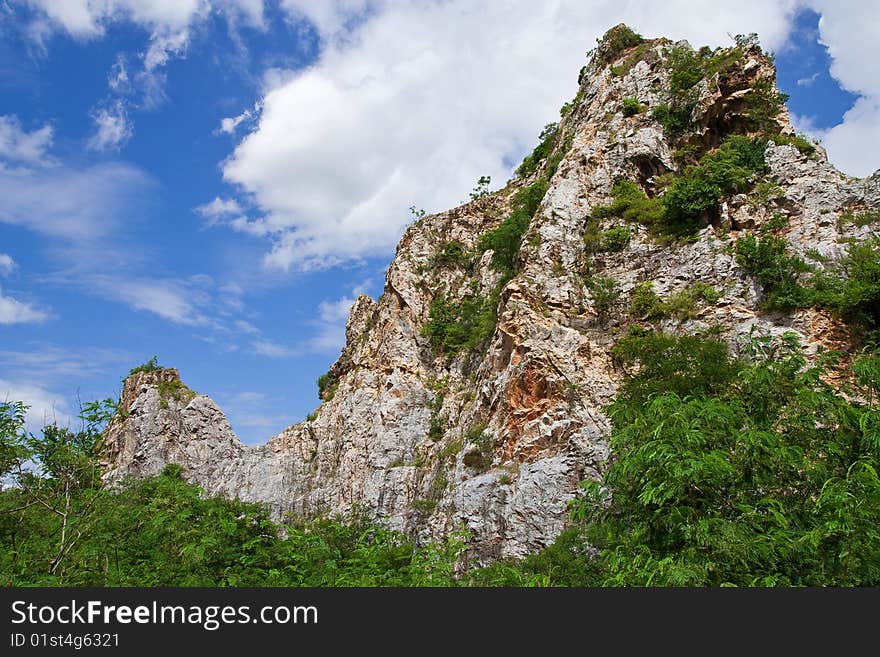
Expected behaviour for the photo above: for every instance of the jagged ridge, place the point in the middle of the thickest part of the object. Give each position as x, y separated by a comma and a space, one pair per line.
497, 436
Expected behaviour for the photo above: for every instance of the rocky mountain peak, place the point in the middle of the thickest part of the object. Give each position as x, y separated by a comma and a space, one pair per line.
471, 393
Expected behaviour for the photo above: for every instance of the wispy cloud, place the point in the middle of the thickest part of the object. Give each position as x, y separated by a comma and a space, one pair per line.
18, 146
13, 311
45, 406
808, 81
112, 128
7, 264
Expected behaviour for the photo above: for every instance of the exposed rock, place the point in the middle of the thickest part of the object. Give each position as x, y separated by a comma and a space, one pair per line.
522, 421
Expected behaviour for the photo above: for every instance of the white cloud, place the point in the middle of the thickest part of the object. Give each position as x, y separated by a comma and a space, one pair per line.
17, 146
45, 407
218, 210
73, 205
179, 302
420, 100
7, 264
112, 128
229, 125
808, 82
264, 347
850, 31
13, 311
48, 363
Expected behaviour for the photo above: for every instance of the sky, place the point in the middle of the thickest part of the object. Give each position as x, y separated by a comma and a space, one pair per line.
213, 182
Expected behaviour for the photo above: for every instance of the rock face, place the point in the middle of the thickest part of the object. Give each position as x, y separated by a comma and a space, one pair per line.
497, 439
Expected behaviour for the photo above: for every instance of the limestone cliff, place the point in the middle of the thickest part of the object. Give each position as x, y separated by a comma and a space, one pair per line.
496, 436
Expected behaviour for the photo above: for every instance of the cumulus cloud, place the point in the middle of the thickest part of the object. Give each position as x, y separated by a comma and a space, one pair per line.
419, 100
112, 128
13, 311
18, 146
850, 31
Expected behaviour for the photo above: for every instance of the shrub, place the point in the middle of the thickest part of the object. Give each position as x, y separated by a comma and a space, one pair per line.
456, 326
631, 203
631, 107
150, 366
763, 106
452, 254
605, 291
547, 140
803, 144
761, 473
726, 170
859, 219
615, 41
673, 119
646, 304
851, 288
174, 389
327, 384
505, 240
615, 239
777, 271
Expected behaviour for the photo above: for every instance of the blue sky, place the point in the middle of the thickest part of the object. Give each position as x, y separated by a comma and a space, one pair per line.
213, 183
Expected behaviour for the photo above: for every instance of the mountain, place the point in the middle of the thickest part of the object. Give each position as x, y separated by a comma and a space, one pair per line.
471, 393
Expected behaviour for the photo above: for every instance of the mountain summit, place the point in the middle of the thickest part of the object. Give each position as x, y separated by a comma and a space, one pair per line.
471, 393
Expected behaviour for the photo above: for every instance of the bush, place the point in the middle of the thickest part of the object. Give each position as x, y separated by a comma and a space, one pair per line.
763, 106
851, 288
632, 204
631, 107
452, 254
456, 326
767, 258
615, 239
803, 144
605, 291
327, 384
547, 140
754, 473
646, 304
506, 239
615, 41
150, 366
673, 119
726, 170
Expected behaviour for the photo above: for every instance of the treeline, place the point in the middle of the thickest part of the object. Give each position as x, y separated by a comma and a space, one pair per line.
759, 469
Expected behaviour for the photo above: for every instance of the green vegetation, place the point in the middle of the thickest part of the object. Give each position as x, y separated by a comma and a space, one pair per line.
763, 105
452, 254
673, 119
174, 389
150, 366
546, 142
605, 291
695, 194
638, 54
646, 304
631, 203
615, 41
803, 144
612, 240
615, 239
777, 271
631, 107
692, 197
327, 385
505, 240
730, 472
454, 326
481, 458
437, 423
481, 189
858, 219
